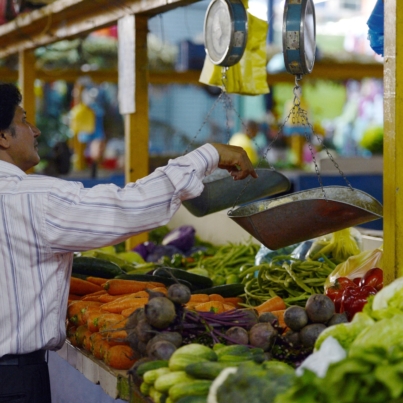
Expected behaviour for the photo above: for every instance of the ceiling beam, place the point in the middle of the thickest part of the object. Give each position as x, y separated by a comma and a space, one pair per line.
66, 19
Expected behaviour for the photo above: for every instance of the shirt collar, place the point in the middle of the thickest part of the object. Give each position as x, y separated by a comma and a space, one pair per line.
10, 169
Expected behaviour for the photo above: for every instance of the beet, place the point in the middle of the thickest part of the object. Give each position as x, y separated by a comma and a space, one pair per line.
161, 350
160, 312
262, 335
179, 293
238, 335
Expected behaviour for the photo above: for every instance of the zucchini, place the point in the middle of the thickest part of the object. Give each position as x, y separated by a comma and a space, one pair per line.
192, 399
92, 266
196, 280
207, 370
148, 366
195, 388
226, 290
150, 277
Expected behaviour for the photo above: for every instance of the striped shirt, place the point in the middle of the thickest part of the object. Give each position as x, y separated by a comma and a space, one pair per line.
44, 220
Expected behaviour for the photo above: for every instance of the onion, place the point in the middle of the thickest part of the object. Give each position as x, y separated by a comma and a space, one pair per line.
160, 312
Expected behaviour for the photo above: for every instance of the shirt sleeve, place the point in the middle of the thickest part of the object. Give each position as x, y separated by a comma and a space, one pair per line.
78, 219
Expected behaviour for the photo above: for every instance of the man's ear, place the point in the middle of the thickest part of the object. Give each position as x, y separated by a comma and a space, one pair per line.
4, 143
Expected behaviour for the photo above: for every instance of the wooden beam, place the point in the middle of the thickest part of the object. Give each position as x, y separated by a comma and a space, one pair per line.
321, 71
137, 124
66, 19
393, 146
26, 81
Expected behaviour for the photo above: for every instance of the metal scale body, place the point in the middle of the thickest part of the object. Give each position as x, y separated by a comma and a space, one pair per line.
225, 33
304, 215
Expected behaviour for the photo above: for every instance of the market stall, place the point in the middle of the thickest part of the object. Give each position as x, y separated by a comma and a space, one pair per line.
304, 277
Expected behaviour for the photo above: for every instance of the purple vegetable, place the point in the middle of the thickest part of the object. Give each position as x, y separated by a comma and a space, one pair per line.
160, 251
182, 237
144, 249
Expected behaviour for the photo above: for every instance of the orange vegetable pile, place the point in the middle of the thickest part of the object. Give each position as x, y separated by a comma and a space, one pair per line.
98, 310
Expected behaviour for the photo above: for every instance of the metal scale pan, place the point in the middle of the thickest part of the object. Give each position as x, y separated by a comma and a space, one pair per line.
221, 191
301, 216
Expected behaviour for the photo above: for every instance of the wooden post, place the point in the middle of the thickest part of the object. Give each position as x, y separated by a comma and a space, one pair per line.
393, 145
136, 123
26, 81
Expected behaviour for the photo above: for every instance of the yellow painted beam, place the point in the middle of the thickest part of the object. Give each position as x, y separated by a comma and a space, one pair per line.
136, 124
393, 146
65, 19
26, 81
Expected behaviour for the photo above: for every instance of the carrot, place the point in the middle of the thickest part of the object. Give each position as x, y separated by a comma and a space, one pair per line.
120, 357
216, 297
119, 305
108, 298
75, 308
71, 335
82, 317
272, 304
74, 297
117, 286
94, 296
99, 348
127, 312
280, 317
196, 298
97, 280
210, 306
234, 301
92, 320
228, 307
110, 319
161, 289
79, 286
115, 332
79, 334
86, 340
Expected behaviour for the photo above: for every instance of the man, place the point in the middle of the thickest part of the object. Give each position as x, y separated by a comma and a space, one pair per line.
44, 220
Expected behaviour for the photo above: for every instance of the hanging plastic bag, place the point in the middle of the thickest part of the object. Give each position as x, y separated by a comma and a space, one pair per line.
338, 246
248, 76
82, 119
356, 266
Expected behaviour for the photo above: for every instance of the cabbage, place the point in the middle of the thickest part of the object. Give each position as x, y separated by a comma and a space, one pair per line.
345, 333
182, 238
382, 335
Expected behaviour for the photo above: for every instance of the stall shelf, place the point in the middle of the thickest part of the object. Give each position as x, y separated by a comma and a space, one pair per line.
97, 378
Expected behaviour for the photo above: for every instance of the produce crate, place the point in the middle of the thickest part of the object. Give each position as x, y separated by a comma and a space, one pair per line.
114, 382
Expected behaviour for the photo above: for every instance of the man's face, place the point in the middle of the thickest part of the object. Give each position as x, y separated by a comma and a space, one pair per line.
23, 147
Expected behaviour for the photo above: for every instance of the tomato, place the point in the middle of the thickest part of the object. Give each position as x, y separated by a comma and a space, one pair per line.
373, 278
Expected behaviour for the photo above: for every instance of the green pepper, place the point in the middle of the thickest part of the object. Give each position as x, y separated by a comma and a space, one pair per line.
178, 260
232, 279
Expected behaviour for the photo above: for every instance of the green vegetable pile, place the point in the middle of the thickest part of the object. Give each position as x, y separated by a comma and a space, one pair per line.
292, 279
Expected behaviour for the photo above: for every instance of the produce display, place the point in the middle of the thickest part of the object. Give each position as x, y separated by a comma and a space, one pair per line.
194, 322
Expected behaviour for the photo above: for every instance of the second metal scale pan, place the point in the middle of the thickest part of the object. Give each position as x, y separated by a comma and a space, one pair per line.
304, 215
221, 191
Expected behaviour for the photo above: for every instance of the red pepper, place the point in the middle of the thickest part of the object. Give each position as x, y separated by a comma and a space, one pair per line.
357, 280
335, 292
354, 299
373, 278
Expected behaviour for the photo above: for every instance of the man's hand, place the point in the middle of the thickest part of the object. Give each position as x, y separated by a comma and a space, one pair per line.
235, 160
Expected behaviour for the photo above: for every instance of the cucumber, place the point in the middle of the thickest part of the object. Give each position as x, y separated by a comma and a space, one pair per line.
196, 280
206, 370
193, 399
235, 349
92, 266
150, 277
184, 389
110, 258
148, 366
226, 290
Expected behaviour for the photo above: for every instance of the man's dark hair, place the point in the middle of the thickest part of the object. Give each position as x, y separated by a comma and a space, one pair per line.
10, 98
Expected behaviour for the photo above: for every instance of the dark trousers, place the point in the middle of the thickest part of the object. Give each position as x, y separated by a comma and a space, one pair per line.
25, 383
